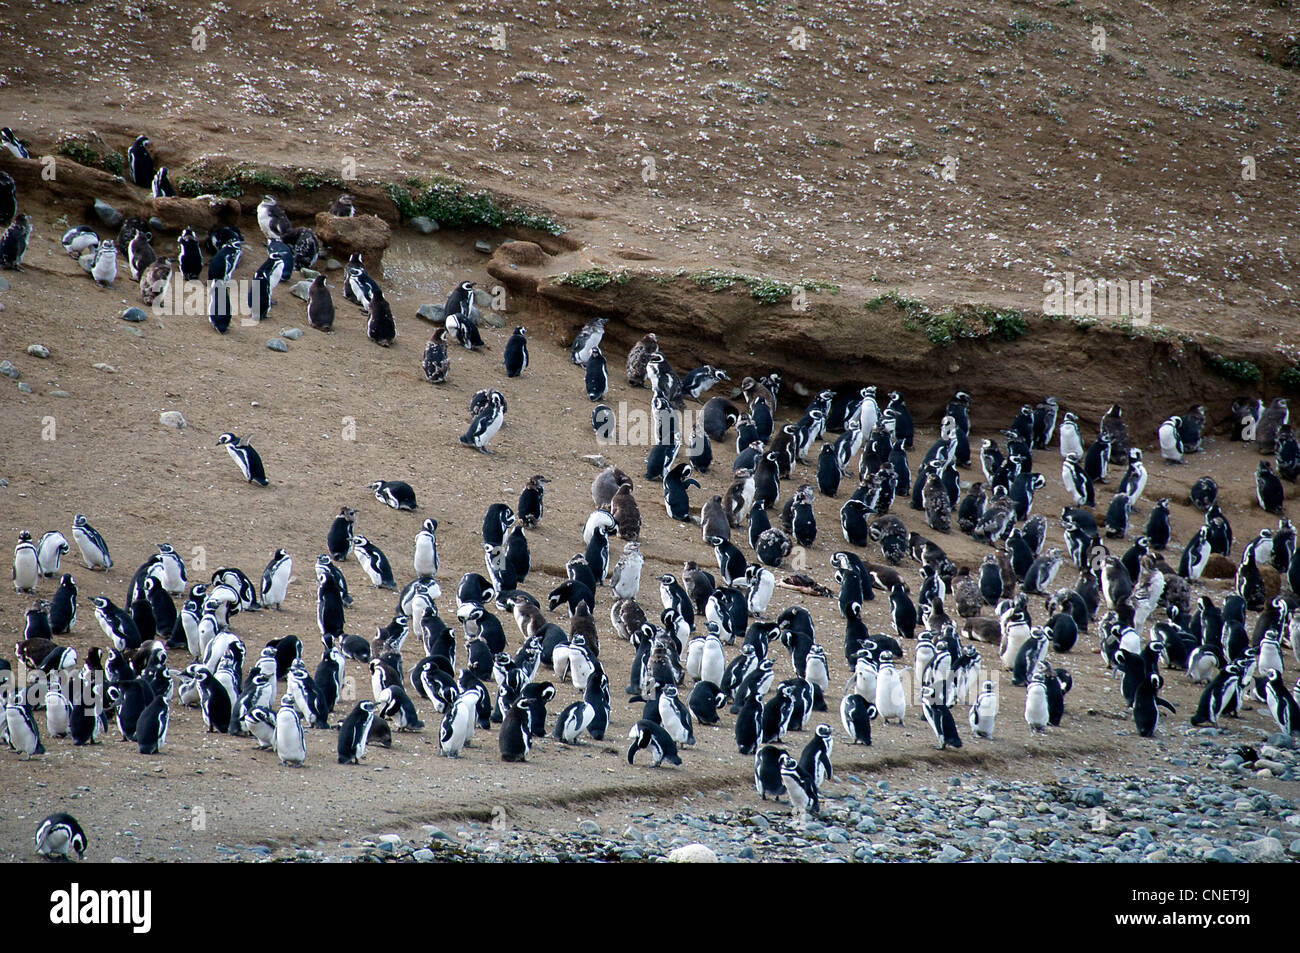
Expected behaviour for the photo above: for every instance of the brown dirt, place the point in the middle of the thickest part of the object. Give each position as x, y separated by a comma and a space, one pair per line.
819, 163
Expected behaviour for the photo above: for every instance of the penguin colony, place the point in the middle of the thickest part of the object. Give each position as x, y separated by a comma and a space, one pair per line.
710, 644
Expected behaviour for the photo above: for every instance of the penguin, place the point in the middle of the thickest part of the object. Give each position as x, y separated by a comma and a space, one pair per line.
891, 699
396, 494
162, 187
63, 607
749, 725
648, 736
939, 717
516, 352
79, 240
486, 424
815, 759
1279, 699
272, 219
275, 579
339, 538
1269, 491
856, 714
9, 139
767, 772
514, 738
103, 266
1171, 443
1271, 421
380, 327
219, 307
140, 164
801, 789
221, 267
354, 735
675, 717
60, 836
587, 340
1147, 704
189, 255
1036, 709
26, 569
248, 459
697, 382
140, 254
8, 198
983, 714
1220, 697
677, 483
597, 378
358, 286
320, 314
22, 733
14, 243
151, 726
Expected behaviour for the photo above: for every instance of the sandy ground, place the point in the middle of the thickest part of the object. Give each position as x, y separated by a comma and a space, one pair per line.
141, 484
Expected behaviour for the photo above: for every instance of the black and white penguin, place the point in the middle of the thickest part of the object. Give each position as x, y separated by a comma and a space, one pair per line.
767, 772
103, 266
26, 568
801, 788
587, 340
63, 607
140, 164
381, 328
161, 186
677, 483
485, 424
10, 141
248, 459
8, 198
815, 759
396, 494
224, 261
697, 382
151, 726
21, 729
358, 286
1147, 704
939, 717
1269, 491
339, 538
1281, 702
516, 352
354, 735
140, 254
648, 736
597, 380
189, 255
14, 243
60, 836
514, 739
79, 240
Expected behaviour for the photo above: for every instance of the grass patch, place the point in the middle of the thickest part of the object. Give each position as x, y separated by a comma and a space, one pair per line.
763, 290
1241, 371
592, 279
1290, 378
453, 205
83, 153
943, 328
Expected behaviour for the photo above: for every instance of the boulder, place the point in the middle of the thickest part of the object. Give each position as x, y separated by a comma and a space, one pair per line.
367, 234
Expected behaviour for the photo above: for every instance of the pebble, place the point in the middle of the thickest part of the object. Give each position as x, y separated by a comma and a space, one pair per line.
590, 828
59, 393
8, 370
173, 418
301, 289
24, 387
596, 460
692, 854
424, 225
333, 264
432, 312
1265, 850
482, 246
1219, 855
291, 333
38, 350
276, 344
106, 368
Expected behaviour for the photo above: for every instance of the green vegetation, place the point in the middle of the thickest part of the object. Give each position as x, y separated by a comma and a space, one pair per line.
763, 290
1242, 371
944, 327
85, 154
1290, 377
453, 205
592, 279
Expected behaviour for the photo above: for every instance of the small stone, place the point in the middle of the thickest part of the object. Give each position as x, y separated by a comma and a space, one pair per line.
173, 418
424, 225
432, 312
275, 344
291, 333
391, 839
1090, 797
4, 283
106, 368
482, 246
596, 460
107, 214
590, 828
309, 273
8, 370
949, 855
747, 852
423, 856
692, 854
156, 223
333, 264
301, 290
134, 314
24, 387
1219, 855
59, 393
38, 350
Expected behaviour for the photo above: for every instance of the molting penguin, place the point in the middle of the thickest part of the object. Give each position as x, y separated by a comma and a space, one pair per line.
587, 340
14, 243
320, 306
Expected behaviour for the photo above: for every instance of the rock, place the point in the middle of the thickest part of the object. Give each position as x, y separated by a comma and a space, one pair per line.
423, 856
4, 283
291, 333
596, 460
692, 854
367, 234
1219, 855
309, 273
393, 840
173, 418
492, 318
275, 344
482, 246
590, 828
747, 852
333, 264
7, 369
301, 289
529, 254
24, 387
38, 350
134, 314
156, 224
1265, 850
424, 225
203, 214
1090, 797
436, 313
107, 214
949, 855
59, 393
